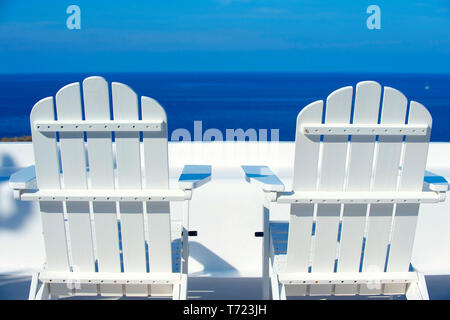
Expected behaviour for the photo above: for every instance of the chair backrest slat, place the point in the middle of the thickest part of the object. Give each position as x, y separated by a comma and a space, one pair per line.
386, 173
155, 147
157, 176
101, 176
366, 108
73, 158
45, 150
47, 175
415, 151
331, 178
125, 107
73, 162
305, 179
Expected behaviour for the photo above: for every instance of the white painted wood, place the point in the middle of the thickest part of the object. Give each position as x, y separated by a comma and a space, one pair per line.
378, 197
161, 290
44, 292
125, 107
385, 179
348, 277
46, 154
413, 292
305, 167
98, 184
24, 179
176, 292
194, 176
265, 273
434, 182
73, 162
160, 251
264, 177
183, 287
185, 238
73, 158
155, 146
382, 189
101, 177
422, 284
274, 283
295, 290
100, 156
156, 177
107, 241
47, 166
33, 286
108, 195
104, 125
367, 103
111, 277
332, 175
283, 292
415, 152
305, 179
154, 195
365, 129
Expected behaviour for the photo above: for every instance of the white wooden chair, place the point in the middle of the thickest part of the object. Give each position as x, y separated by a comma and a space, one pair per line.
104, 195
358, 182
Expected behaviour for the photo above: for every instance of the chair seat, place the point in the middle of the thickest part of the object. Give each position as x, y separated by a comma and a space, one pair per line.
279, 236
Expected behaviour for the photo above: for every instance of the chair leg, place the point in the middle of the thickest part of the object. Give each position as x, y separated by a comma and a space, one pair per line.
176, 291
418, 290
44, 292
422, 284
274, 284
183, 287
413, 292
275, 288
33, 286
265, 255
282, 292
185, 239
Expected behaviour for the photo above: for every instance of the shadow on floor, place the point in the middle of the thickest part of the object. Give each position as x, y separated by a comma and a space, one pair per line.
18, 211
16, 287
202, 288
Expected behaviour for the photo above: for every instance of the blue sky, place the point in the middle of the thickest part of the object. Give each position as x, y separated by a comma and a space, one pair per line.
225, 35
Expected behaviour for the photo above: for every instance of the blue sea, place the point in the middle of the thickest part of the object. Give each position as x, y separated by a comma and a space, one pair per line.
227, 100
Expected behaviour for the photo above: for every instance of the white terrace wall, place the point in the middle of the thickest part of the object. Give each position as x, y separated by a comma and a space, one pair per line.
226, 212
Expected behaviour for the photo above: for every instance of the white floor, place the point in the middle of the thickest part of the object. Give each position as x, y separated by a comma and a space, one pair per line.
13, 286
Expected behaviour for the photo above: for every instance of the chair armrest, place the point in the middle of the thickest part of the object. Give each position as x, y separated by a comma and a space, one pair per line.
434, 182
263, 176
24, 179
194, 176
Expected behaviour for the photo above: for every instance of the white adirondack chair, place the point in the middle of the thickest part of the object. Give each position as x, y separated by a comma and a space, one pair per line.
104, 202
355, 198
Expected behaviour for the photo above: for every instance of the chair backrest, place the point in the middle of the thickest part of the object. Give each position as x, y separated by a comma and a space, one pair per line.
106, 158
357, 237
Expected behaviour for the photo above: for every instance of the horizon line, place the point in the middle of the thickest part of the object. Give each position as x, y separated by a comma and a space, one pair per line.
226, 72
